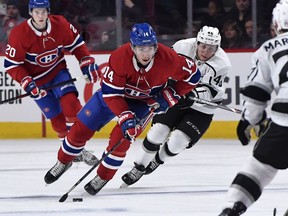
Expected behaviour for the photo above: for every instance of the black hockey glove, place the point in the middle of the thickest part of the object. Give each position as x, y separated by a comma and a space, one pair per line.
186, 101
244, 129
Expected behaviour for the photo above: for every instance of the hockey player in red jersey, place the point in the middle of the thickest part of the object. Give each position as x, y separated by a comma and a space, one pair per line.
182, 126
134, 81
35, 58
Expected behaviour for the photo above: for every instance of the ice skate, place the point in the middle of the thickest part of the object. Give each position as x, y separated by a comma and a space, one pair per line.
86, 157
152, 166
238, 209
95, 185
56, 171
133, 176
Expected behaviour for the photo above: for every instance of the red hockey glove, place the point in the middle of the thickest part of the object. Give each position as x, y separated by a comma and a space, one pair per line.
163, 100
89, 68
127, 122
30, 87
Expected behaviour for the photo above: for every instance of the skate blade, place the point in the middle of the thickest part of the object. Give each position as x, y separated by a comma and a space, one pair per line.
124, 185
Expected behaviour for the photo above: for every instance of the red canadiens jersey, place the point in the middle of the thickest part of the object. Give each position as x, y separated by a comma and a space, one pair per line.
124, 79
41, 54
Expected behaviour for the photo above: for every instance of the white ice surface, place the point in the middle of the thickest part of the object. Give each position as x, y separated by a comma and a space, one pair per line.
193, 183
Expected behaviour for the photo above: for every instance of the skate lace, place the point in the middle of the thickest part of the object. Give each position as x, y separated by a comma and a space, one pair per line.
57, 169
135, 173
97, 182
153, 165
88, 157
239, 208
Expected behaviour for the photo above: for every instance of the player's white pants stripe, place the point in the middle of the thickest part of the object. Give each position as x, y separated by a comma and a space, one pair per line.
113, 162
68, 149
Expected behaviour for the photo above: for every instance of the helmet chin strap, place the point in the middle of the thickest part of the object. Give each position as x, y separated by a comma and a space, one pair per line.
198, 61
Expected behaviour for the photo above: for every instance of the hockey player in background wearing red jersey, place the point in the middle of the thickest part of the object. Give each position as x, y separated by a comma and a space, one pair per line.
184, 124
35, 58
271, 149
135, 81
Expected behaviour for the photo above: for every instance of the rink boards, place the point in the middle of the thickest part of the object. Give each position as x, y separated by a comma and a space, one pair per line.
22, 118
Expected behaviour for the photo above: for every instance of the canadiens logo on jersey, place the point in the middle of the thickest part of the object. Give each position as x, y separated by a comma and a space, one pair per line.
41, 54
134, 92
47, 59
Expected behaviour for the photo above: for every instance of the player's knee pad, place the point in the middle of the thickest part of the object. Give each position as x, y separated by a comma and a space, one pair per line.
164, 154
249, 183
258, 171
158, 133
149, 146
177, 141
70, 105
190, 144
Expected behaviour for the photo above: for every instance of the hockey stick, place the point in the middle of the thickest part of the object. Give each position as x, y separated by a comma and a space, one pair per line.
274, 211
199, 100
46, 89
286, 213
143, 123
65, 196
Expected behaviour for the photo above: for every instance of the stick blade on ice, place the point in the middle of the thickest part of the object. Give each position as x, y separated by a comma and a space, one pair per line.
63, 198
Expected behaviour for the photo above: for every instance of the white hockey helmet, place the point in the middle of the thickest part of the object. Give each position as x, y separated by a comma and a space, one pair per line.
209, 35
283, 1
275, 13
280, 17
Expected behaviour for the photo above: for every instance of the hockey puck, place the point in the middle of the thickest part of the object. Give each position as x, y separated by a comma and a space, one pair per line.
77, 199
